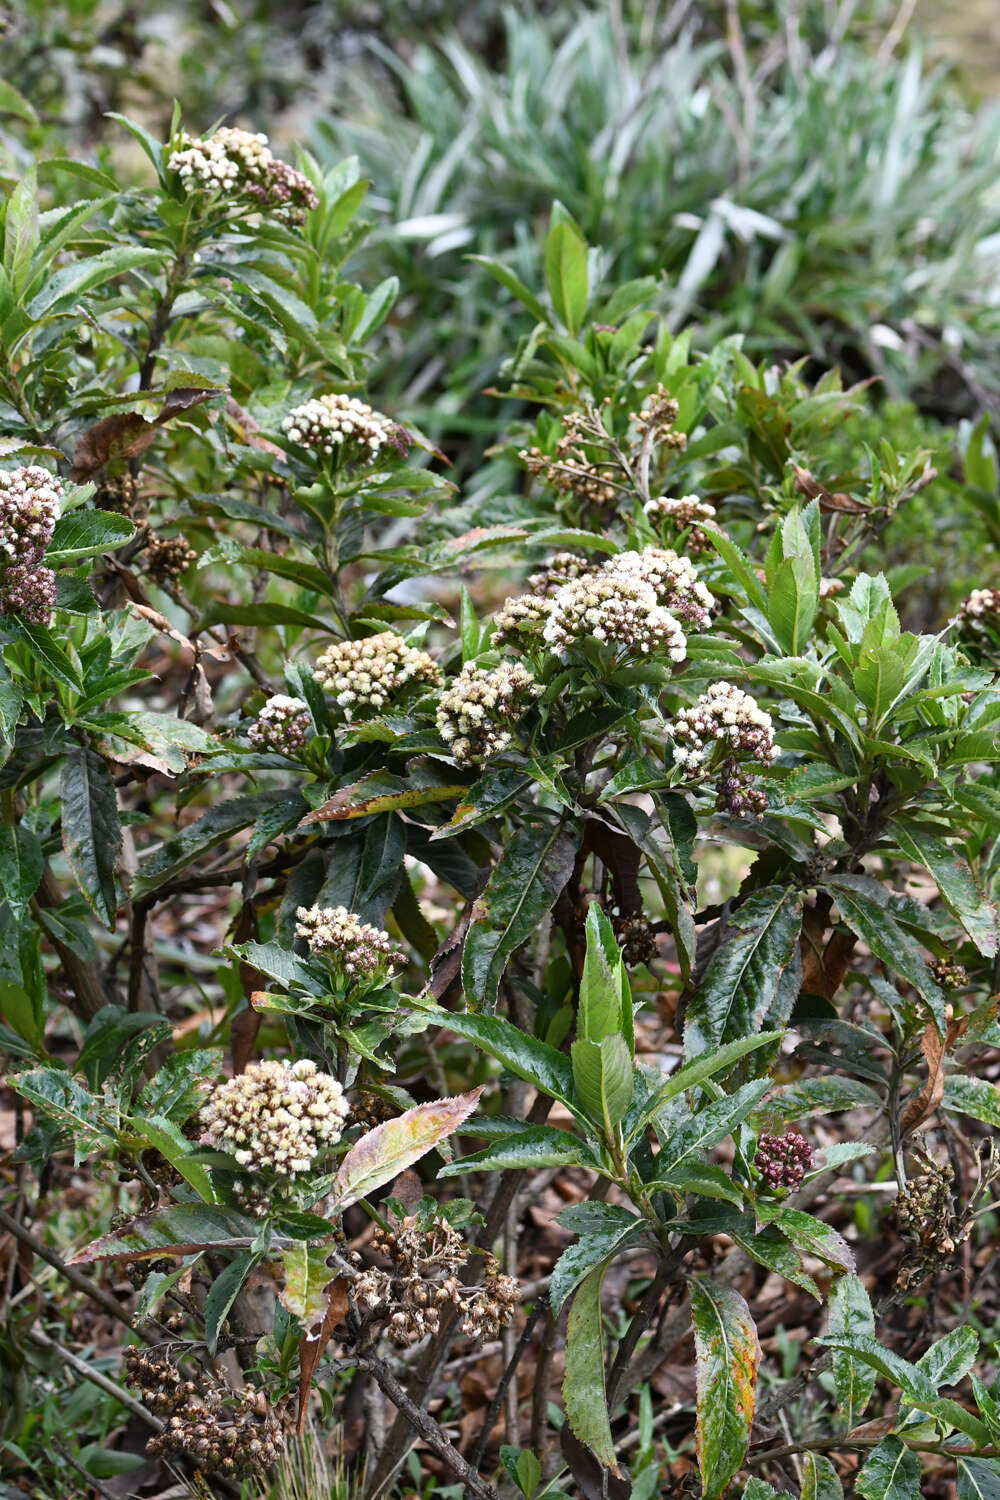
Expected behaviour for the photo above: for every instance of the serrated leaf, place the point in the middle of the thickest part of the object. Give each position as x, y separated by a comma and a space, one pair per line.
87, 533
851, 1317
820, 1480
382, 1153
210, 830
593, 1247
527, 1057
539, 1146
602, 1073
91, 830
178, 1230
307, 1277
584, 1392
891, 1473
745, 972
862, 903
727, 1354
978, 1479
954, 879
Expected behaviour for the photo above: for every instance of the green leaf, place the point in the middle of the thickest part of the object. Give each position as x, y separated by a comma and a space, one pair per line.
180, 1229
307, 1277
602, 1073
583, 1389
720, 1060
87, 533
13, 103
525, 884
513, 283
217, 825
69, 283
891, 1473
978, 1479
703, 1180
91, 830
21, 866
73, 1108
707, 1128
851, 1317
745, 972
538, 1146
949, 1359
223, 1293
566, 276
604, 988
820, 1480
956, 882
793, 599
527, 1057
165, 1136
727, 1354
768, 1247
813, 1237
25, 1013
615, 1230
43, 645
380, 791
382, 1153
862, 903
977, 1097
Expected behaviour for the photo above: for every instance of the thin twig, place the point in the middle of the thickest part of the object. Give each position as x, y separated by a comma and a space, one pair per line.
493, 1410
87, 1372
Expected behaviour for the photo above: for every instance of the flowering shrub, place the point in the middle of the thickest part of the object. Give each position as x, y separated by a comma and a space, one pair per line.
348, 884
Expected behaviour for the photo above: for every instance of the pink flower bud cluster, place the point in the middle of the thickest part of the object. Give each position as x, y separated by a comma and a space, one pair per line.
783, 1160
240, 164
30, 499
281, 725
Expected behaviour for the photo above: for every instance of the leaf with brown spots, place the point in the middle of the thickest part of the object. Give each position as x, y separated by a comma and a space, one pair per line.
727, 1354
127, 434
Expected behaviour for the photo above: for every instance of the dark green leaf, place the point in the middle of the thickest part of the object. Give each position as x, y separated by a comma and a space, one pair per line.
583, 1383
91, 830
744, 974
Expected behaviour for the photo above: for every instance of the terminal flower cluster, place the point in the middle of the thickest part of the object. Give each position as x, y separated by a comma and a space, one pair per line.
281, 725
683, 513
30, 500
357, 948
367, 673
615, 607
783, 1160
728, 718
275, 1117
344, 427
476, 712
239, 163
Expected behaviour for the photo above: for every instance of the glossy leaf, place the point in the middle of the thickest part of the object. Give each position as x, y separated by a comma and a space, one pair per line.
820, 1480
381, 1154
744, 974
851, 1317
306, 1278
727, 1354
178, 1230
584, 1392
91, 830
891, 1473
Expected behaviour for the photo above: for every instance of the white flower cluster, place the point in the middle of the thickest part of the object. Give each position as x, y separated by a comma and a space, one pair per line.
724, 715
30, 499
476, 714
982, 608
357, 948
281, 725
342, 425
277, 1116
615, 607
368, 672
240, 163
673, 579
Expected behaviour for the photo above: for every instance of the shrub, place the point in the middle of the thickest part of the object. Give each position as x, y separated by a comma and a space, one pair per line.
449, 881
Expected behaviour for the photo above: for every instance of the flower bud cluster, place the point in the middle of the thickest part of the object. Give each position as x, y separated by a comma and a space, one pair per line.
686, 513
281, 725
276, 1117
616, 607
238, 163
218, 1430
367, 673
949, 974
783, 1160
168, 558
925, 1213
357, 948
29, 508
980, 610
476, 713
343, 426
673, 579
657, 417
724, 715
422, 1280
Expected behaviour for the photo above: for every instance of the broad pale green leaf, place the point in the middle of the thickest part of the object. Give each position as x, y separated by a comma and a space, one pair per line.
745, 971
949, 1359
69, 1104
307, 1277
166, 1138
956, 882
813, 1237
527, 1057
603, 984
584, 1391
69, 283
381, 1154
727, 1354
539, 1146
46, 649
602, 1073
964, 1095
525, 885
793, 599
759, 1489
891, 1473
820, 1480
851, 1317
91, 830
566, 275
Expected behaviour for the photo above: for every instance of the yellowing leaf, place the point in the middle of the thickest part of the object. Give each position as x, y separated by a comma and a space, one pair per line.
389, 1149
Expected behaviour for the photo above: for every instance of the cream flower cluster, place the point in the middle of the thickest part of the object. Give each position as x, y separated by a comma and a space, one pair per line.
673, 579
342, 425
368, 672
357, 948
30, 499
614, 607
476, 713
422, 1280
281, 725
724, 715
277, 1116
240, 163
